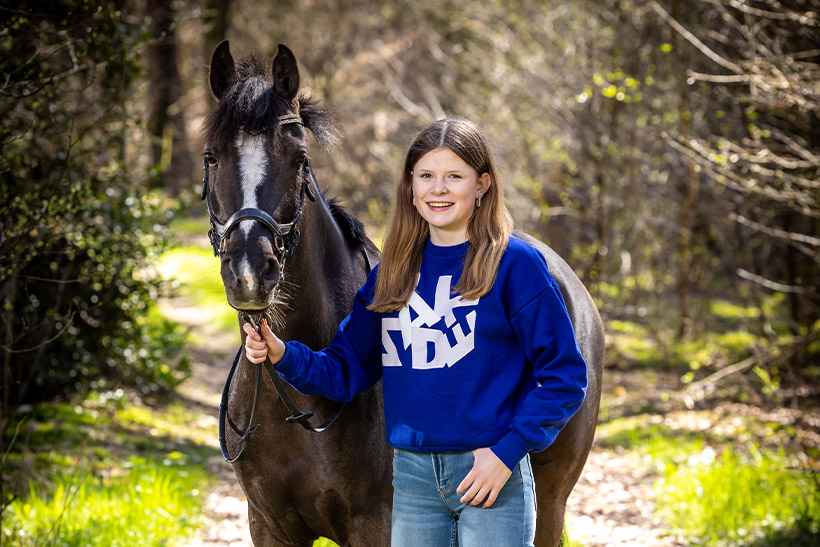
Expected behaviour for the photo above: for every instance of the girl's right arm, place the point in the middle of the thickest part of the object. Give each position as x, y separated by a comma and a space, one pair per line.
350, 365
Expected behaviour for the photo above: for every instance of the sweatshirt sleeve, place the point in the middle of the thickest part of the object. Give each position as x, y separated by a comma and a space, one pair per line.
350, 365
545, 331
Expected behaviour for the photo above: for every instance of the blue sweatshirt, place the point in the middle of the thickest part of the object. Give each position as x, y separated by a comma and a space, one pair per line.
503, 371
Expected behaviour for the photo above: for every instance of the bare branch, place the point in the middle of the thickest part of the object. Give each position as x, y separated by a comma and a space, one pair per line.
808, 19
7, 349
769, 284
775, 232
697, 390
717, 78
694, 40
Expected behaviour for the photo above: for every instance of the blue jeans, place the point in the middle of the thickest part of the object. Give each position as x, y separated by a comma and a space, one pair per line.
427, 511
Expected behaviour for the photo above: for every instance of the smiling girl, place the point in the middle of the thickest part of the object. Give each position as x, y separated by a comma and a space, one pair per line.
468, 331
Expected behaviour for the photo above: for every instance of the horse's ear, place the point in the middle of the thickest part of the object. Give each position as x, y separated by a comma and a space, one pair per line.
285, 74
223, 71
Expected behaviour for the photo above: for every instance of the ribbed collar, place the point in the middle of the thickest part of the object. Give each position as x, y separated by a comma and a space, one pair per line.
450, 251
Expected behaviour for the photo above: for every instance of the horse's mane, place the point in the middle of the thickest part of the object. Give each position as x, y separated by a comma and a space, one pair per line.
252, 105
351, 227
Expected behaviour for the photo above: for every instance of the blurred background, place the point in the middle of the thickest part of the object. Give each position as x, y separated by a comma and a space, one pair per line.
668, 150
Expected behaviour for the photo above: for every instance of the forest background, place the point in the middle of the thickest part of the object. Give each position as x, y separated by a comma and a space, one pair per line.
667, 149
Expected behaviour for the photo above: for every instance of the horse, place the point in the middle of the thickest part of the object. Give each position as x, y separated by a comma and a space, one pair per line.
293, 256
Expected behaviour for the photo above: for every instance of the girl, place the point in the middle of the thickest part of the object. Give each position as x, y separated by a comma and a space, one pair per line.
470, 335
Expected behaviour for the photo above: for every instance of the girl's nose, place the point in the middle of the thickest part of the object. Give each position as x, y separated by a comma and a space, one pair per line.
438, 185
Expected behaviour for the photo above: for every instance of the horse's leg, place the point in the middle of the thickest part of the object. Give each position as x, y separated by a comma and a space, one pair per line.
549, 517
367, 531
265, 533
555, 471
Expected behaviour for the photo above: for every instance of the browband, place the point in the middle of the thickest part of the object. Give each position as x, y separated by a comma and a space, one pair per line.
290, 118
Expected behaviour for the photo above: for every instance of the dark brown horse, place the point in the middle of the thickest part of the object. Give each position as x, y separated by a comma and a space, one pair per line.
292, 256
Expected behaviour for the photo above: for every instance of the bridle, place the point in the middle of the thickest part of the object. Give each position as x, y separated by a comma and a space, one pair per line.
285, 235
285, 238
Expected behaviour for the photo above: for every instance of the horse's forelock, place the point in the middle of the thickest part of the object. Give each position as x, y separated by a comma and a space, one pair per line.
250, 104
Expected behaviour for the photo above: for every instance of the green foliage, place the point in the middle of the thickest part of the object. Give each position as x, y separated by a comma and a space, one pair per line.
77, 229
734, 499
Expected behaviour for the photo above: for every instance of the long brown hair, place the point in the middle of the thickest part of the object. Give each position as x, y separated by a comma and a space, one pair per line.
489, 229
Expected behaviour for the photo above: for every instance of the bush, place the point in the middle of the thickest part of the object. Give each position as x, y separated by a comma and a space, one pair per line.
75, 232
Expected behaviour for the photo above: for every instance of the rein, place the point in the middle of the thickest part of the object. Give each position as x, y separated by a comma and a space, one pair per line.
285, 238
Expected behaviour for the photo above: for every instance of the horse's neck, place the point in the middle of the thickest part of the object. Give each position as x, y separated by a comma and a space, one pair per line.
322, 276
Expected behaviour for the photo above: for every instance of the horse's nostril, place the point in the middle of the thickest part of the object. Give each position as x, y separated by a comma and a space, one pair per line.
271, 274
229, 273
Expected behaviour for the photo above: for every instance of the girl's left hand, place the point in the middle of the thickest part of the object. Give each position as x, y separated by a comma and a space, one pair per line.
485, 479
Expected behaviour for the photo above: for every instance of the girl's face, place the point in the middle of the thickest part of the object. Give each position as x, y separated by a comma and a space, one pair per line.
445, 189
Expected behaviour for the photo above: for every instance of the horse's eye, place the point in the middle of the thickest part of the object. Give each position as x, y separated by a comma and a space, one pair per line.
210, 158
300, 161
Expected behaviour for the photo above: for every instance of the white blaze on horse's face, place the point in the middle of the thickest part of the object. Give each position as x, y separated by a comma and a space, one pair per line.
252, 169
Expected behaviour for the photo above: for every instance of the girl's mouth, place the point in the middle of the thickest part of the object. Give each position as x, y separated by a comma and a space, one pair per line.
439, 204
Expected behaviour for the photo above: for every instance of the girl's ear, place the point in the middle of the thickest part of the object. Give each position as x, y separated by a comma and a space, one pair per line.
484, 182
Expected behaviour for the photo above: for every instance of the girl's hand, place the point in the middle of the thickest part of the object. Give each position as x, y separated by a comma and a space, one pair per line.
258, 347
485, 479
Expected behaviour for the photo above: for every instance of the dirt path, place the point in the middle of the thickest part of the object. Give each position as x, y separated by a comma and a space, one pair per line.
612, 504
226, 508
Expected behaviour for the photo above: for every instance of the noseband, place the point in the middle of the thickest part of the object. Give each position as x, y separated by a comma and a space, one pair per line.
285, 235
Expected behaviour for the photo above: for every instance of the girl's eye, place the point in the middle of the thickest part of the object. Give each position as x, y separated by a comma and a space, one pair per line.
455, 176
425, 175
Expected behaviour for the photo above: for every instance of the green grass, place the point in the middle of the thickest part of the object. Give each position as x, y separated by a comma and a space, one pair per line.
737, 499
714, 493
106, 470
195, 274
190, 225
150, 503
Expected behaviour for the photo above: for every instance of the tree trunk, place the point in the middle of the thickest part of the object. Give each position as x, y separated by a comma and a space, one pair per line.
688, 206
166, 124
216, 21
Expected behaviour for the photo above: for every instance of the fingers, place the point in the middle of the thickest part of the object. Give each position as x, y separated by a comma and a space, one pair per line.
268, 345
256, 350
266, 332
256, 356
250, 332
479, 492
485, 480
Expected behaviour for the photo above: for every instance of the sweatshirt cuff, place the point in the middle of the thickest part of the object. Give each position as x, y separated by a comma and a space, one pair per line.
511, 449
288, 367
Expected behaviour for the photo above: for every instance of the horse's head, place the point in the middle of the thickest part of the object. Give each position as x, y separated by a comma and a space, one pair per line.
257, 171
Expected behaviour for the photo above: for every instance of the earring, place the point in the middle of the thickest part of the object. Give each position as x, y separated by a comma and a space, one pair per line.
478, 201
